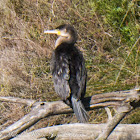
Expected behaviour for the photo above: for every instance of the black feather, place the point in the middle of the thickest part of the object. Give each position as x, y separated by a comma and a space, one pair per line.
69, 75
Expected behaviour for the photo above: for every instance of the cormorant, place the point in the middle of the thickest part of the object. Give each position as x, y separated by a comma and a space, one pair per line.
68, 70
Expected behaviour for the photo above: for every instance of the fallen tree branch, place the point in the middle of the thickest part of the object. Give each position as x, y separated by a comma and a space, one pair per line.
124, 108
82, 132
27, 102
113, 123
124, 101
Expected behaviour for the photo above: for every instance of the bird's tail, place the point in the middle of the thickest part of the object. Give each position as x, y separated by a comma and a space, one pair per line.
79, 110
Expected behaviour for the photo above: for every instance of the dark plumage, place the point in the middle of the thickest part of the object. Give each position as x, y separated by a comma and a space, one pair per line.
68, 70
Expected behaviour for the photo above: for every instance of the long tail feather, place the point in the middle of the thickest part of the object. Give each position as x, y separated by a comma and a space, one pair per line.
79, 110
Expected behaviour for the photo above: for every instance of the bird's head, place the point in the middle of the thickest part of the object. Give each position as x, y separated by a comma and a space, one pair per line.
66, 34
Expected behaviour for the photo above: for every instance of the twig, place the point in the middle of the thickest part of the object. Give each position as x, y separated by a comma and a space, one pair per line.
126, 59
108, 113
131, 4
53, 8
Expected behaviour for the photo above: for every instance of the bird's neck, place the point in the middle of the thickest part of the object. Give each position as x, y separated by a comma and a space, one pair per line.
68, 40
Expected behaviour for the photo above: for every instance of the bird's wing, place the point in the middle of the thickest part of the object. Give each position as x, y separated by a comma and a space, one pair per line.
61, 77
81, 76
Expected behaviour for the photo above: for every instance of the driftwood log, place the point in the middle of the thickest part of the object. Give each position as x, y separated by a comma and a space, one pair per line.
123, 101
81, 131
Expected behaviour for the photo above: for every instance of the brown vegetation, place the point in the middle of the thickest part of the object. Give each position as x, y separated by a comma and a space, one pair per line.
112, 52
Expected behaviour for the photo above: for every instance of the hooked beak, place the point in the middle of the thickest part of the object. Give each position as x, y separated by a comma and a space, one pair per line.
58, 32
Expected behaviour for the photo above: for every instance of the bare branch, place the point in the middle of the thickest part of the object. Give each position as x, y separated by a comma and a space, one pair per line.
108, 113
28, 102
122, 110
125, 101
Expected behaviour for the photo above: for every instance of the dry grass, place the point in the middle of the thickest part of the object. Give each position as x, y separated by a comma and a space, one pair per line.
8, 110
25, 54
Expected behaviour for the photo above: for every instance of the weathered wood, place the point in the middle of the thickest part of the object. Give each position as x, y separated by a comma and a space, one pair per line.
113, 123
28, 102
82, 132
124, 108
124, 101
